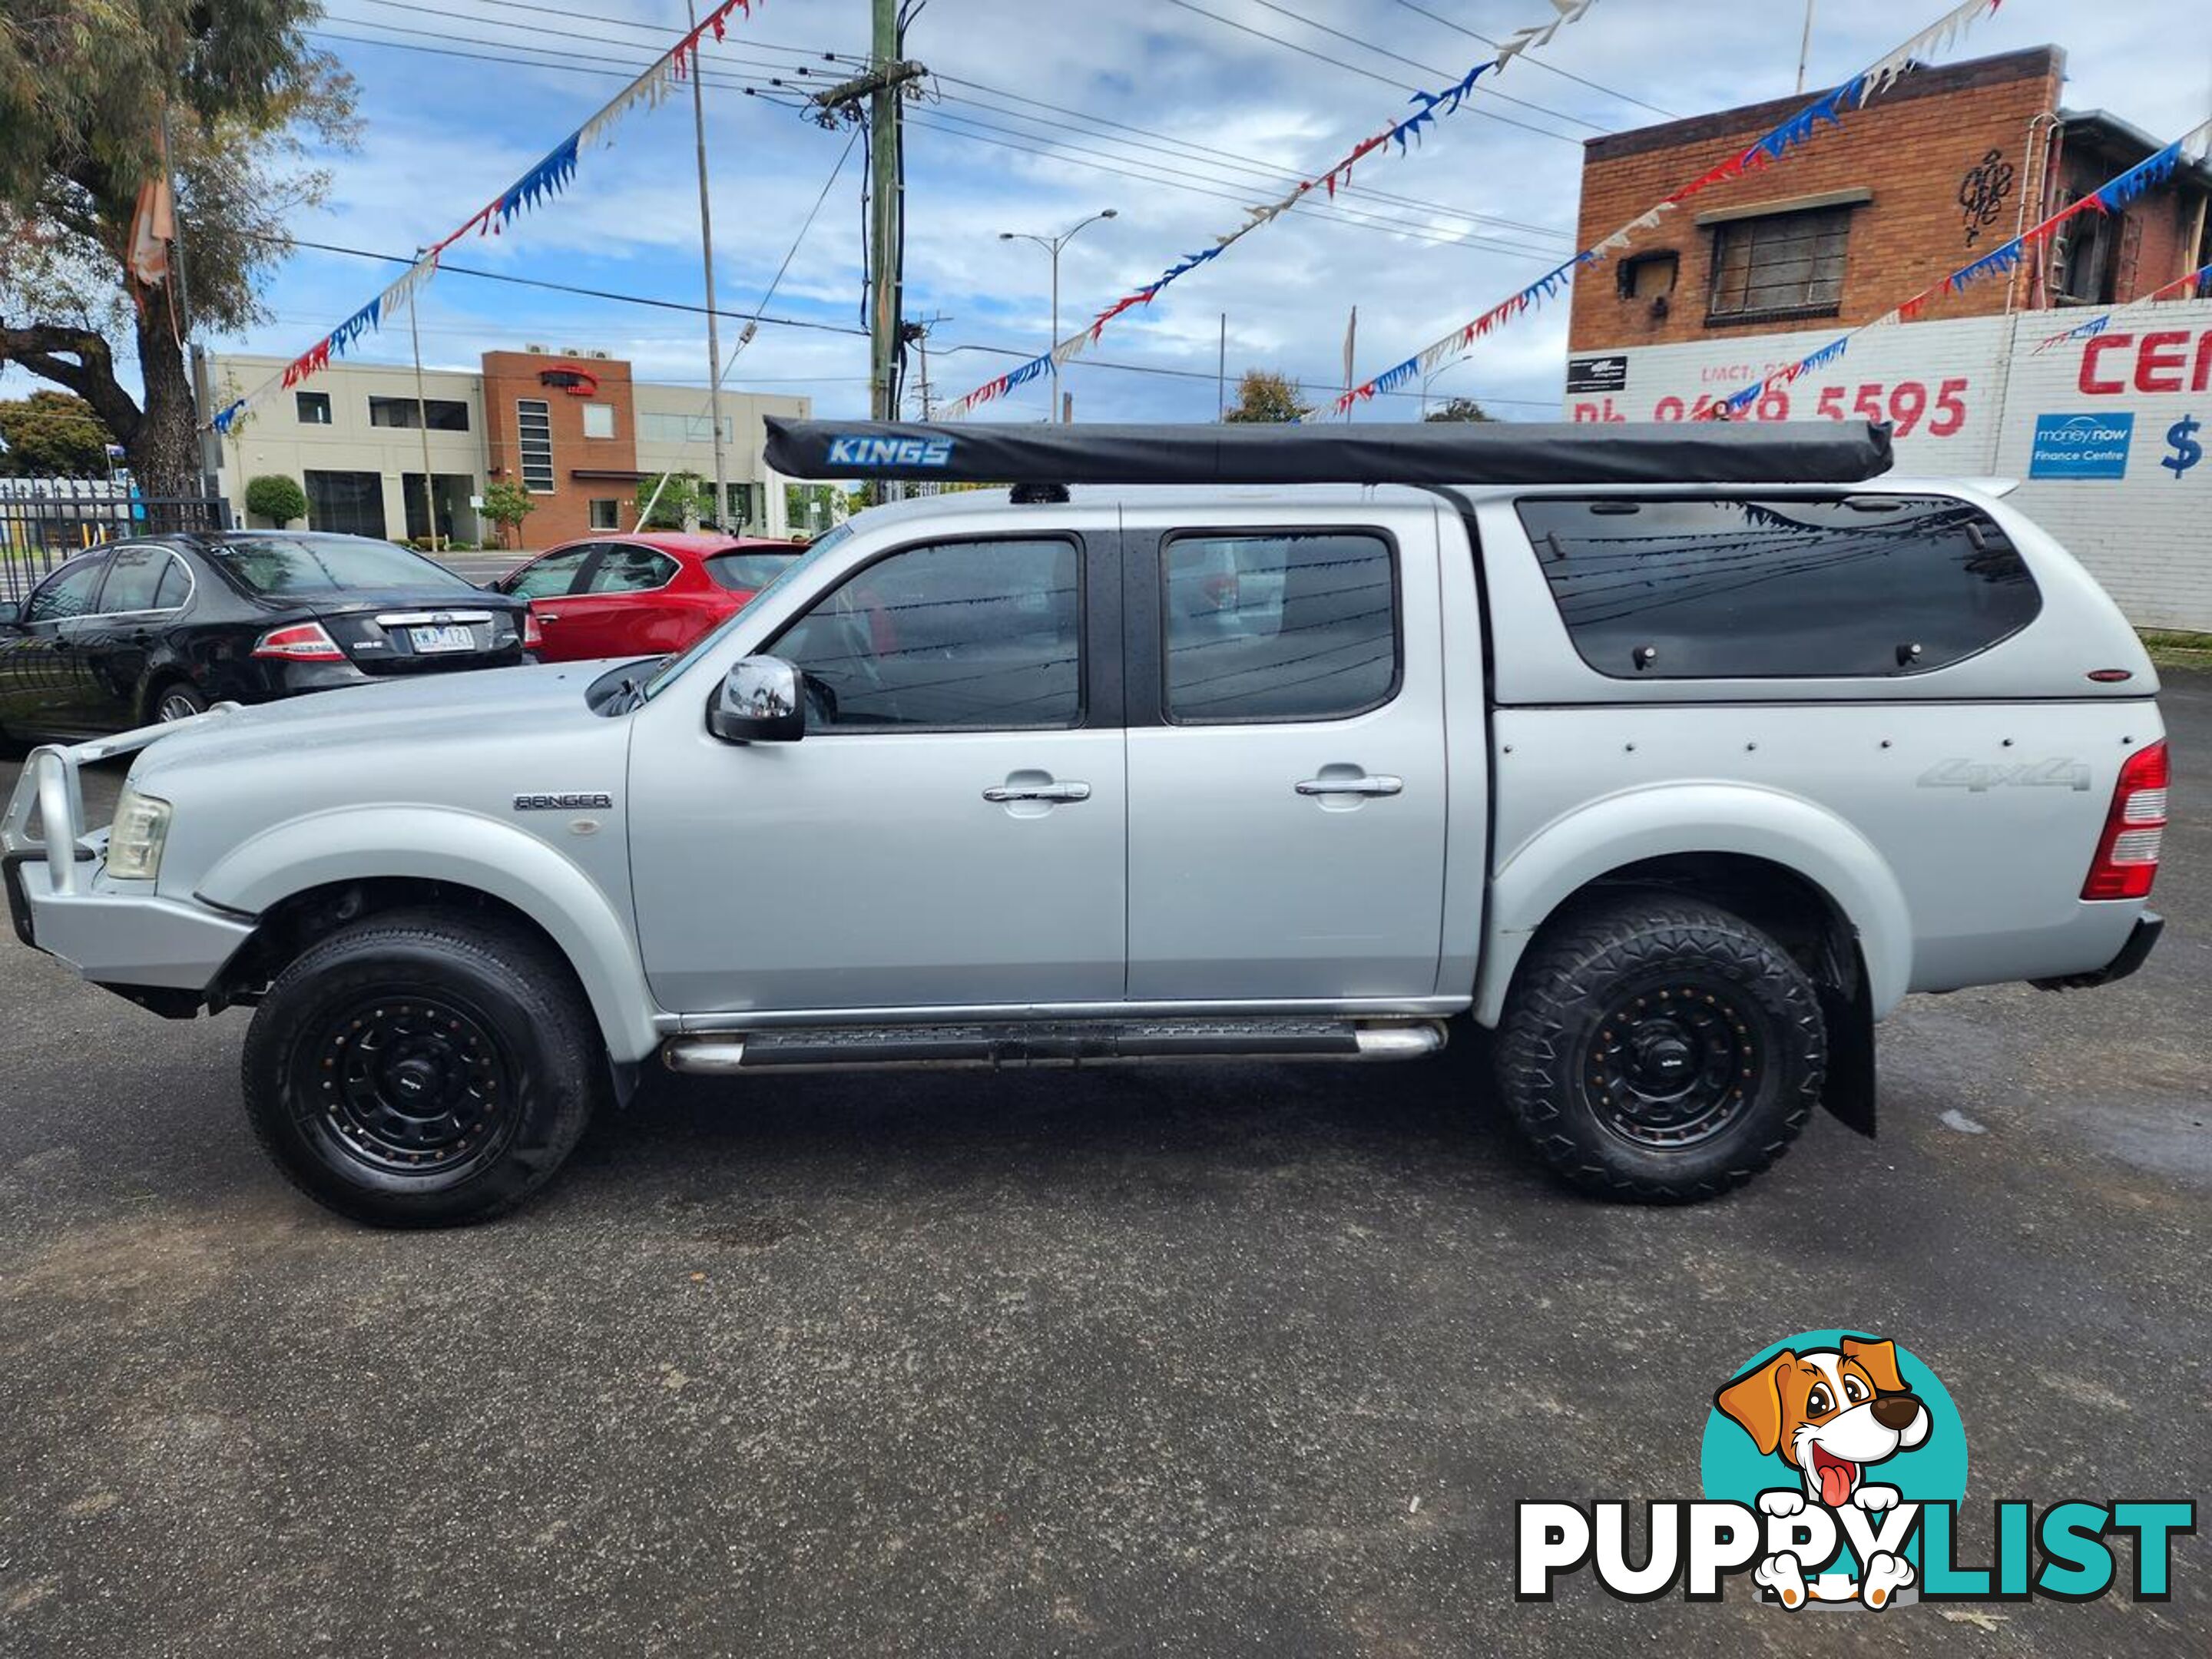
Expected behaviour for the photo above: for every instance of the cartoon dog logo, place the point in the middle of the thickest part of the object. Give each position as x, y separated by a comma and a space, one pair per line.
1830, 1414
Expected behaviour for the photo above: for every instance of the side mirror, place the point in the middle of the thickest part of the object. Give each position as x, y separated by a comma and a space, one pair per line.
11, 614
760, 702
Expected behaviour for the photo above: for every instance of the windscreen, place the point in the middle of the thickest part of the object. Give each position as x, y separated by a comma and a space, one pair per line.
302, 565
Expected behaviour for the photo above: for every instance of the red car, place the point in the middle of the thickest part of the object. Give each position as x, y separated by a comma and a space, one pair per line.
644, 595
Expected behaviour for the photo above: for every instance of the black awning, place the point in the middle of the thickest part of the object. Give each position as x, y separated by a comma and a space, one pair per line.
1432, 452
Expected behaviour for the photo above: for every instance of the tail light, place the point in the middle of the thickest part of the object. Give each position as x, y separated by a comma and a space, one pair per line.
2127, 853
533, 636
300, 642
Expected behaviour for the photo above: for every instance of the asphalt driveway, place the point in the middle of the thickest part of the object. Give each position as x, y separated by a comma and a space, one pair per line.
1248, 1361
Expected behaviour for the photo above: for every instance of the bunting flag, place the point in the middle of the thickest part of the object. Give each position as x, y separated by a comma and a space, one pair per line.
1799, 129
2182, 288
1404, 132
2113, 196
543, 181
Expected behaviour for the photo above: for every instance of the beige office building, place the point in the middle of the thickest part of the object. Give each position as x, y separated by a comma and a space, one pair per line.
571, 427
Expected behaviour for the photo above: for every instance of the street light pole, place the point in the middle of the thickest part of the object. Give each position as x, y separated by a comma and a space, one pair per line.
1052, 245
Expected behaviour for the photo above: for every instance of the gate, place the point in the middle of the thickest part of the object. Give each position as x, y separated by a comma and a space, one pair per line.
44, 521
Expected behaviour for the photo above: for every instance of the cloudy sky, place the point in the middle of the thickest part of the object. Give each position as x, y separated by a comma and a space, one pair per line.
1175, 112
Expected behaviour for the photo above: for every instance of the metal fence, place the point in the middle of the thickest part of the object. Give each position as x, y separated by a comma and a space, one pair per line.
44, 521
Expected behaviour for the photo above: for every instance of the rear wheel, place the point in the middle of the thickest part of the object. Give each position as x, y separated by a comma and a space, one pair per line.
416, 1070
179, 699
1661, 1049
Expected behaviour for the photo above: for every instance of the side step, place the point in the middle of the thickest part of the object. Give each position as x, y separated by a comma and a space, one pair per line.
1016, 1044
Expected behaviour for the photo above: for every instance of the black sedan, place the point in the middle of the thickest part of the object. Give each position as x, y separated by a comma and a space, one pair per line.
140, 631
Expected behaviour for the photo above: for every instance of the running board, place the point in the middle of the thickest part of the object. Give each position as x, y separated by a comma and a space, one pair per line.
1090, 1042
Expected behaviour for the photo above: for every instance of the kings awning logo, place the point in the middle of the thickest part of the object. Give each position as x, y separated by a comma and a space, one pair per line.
1834, 1467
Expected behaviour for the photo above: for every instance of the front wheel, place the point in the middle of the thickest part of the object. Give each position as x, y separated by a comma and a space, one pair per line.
1660, 1049
419, 1070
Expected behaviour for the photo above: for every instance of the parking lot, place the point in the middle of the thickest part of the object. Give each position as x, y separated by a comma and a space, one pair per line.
1242, 1361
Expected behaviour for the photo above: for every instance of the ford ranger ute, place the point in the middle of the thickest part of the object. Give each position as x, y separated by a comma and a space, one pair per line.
1667, 761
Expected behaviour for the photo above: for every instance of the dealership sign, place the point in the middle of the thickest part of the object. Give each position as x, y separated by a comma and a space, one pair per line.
2081, 445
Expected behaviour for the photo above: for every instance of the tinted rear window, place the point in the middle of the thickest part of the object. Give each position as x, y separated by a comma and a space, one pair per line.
750, 570
331, 564
1736, 588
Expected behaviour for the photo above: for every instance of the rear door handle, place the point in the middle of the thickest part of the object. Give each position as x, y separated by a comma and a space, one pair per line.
1377, 784
998, 793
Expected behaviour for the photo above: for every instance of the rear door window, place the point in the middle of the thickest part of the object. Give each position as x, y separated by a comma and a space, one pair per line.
1780, 588
138, 580
1278, 626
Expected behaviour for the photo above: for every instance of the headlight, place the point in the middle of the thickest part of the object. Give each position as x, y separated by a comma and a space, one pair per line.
134, 842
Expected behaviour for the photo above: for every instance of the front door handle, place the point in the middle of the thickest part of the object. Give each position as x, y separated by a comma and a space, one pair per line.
1376, 784
999, 794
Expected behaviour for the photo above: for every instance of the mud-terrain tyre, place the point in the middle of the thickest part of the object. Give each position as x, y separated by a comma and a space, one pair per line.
420, 1070
1659, 1049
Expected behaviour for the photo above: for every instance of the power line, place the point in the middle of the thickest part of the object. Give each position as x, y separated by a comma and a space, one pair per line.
1548, 68
1329, 208
1249, 164
1023, 353
1388, 81
1426, 68
1323, 211
1276, 178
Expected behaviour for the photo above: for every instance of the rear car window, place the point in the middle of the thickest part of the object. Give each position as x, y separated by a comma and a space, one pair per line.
1737, 587
749, 572
1278, 627
330, 564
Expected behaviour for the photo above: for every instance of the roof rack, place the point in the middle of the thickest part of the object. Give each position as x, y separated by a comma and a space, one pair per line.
1431, 452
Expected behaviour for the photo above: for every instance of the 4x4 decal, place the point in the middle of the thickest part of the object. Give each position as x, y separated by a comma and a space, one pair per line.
1979, 778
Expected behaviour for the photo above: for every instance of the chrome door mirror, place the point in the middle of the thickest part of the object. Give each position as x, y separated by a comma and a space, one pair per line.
760, 702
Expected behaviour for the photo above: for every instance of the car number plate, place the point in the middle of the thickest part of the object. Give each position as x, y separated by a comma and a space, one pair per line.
455, 638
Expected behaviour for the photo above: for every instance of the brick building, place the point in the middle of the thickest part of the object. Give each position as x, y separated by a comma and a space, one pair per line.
574, 428
1758, 272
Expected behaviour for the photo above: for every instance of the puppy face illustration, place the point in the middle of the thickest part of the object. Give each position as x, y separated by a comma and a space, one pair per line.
1828, 1413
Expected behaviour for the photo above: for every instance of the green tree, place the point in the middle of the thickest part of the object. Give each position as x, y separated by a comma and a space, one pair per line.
1264, 395
51, 434
86, 89
507, 504
1460, 409
277, 497
668, 511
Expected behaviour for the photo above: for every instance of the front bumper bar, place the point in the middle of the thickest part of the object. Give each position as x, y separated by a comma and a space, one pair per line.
118, 934
2140, 940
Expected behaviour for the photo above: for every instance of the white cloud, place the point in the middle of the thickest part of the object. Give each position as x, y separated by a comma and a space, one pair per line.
444, 134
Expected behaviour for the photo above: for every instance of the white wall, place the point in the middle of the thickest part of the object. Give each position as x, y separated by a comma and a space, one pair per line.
2147, 536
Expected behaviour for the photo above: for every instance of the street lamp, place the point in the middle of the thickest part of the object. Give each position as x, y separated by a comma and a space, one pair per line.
1053, 244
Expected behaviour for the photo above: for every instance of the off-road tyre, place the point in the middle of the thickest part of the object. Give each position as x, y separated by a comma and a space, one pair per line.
1620, 1000
370, 1032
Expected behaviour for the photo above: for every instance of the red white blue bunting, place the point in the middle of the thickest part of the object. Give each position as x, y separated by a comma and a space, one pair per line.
2181, 288
2113, 196
544, 180
1792, 134
1404, 132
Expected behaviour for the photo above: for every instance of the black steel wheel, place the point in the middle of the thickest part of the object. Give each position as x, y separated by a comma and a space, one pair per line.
407, 1084
1660, 1048
422, 1070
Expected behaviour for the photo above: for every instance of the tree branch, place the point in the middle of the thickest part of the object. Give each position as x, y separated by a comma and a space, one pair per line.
45, 349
